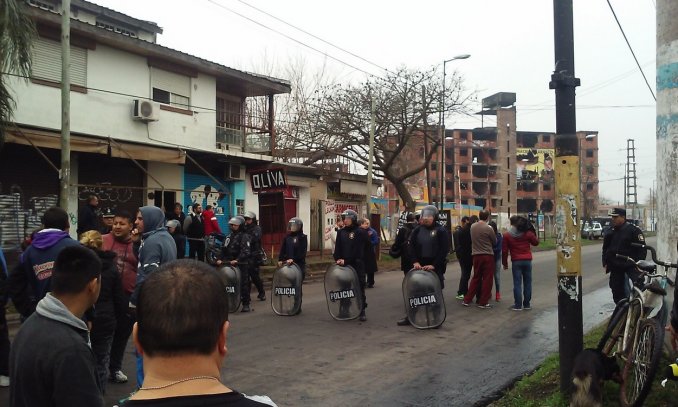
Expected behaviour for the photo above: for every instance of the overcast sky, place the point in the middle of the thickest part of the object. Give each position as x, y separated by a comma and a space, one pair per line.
510, 42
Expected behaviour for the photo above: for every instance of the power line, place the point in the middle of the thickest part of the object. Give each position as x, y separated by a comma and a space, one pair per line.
631, 49
314, 36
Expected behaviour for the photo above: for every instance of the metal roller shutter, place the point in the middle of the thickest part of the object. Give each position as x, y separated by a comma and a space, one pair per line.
47, 62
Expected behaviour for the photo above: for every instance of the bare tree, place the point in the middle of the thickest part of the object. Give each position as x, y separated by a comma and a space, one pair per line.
336, 123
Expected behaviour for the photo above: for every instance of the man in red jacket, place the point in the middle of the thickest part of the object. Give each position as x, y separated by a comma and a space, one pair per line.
120, 242
516, 242
210, 219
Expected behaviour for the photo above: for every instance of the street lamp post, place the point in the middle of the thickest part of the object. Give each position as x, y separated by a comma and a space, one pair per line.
441, 130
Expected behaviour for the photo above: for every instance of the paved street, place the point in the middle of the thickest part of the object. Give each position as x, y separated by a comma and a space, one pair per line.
314, 360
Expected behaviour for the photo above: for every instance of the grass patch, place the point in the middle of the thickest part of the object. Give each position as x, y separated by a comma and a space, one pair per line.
542, 387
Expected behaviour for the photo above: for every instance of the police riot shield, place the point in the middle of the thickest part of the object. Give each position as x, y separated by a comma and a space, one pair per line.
231, 277
342, 288
423, 299
286, 290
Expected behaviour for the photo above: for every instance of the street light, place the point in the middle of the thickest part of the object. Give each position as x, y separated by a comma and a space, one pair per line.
441, 189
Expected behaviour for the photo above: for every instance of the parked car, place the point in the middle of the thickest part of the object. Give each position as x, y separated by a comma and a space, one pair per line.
592, 230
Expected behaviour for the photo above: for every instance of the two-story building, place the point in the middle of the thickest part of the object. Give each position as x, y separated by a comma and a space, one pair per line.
149, 124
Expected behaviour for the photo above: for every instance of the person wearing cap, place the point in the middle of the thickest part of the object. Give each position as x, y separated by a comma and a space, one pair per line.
619, 241
107, 217
174, 228
236, 252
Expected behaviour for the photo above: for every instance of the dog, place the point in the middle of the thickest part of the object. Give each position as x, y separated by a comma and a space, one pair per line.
591, 368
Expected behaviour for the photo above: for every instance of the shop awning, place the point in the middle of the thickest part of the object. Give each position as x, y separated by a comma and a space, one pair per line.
120, 149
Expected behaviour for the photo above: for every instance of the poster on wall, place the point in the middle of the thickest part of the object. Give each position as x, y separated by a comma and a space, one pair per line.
534, 163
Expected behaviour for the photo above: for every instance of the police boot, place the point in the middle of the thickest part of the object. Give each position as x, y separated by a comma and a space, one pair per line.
246, 308
362, 316
403, 322
262, 296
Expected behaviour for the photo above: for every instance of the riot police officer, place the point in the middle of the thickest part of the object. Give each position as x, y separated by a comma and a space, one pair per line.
349, 250
430, 243
294, 246
618, 241
254, 230
236, 252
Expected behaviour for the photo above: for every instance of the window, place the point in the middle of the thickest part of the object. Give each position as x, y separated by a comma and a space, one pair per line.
449, 184
463, 168
434, 184
589, 187
463, 186
171, 88
434, 166
589, 152
112, 27
547, 186
449, 168
546, 138
239, 206
463, 152
47, 62
589, 170
463, 136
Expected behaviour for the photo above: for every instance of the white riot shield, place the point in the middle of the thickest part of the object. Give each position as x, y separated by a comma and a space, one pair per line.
286, 290
342, 290
423, 299
231, 277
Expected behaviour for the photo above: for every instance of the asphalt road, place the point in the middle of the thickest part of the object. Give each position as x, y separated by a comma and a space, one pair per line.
312, 359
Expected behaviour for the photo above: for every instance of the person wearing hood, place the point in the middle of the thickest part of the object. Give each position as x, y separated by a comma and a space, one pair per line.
109, 308
29, 281
157, 248
516, 243
51, 362
294, 246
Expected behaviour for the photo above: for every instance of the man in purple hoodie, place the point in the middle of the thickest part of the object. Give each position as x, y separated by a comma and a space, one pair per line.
29, 281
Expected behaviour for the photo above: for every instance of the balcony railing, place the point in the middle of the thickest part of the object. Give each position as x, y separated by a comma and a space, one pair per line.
229, 137
258, 143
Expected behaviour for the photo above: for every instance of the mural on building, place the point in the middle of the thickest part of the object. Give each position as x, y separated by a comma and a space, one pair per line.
203, 190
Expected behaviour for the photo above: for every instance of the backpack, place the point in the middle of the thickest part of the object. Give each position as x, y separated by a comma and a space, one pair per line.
396, 252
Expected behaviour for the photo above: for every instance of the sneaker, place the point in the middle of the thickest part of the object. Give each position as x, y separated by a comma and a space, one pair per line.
527, 307
262, 296
514, 308
246, 308
403, 322
459, 296
4, 381
497, 297
464, 304
485, 306
118, 377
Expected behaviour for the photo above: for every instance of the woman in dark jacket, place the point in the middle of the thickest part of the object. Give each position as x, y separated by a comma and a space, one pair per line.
109, 307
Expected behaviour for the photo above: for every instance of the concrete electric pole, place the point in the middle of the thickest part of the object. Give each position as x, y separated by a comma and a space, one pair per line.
568, 178
65, 171
667, 128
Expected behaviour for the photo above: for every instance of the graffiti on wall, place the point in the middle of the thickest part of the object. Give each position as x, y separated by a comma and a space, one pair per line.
106, 193
208, 195
20, 215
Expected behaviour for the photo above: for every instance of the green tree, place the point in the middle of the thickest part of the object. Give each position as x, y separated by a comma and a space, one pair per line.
16, 37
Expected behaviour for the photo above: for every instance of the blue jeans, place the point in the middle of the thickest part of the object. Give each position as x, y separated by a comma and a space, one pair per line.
522, 283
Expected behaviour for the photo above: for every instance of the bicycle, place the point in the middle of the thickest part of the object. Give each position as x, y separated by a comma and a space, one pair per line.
635, 334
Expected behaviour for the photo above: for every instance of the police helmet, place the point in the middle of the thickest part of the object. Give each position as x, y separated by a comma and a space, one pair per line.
295, 225
236, 220
351, 214
250, 215
429, 211
107, 213
242, 219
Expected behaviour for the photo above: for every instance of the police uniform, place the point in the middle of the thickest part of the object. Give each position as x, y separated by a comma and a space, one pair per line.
618, 241
254, 230
429, 246
237, 247
350, 246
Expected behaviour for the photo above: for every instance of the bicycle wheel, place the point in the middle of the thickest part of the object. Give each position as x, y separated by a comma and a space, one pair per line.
641, 365
615, 329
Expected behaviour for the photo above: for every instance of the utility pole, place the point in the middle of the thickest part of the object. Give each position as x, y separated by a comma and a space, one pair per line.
424, 120
65, 171
667, 146
568, 178
371, 158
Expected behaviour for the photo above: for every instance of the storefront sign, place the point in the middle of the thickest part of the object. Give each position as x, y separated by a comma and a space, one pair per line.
265, 180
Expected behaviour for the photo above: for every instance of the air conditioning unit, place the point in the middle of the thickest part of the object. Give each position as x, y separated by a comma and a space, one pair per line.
233, 171
145, 110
